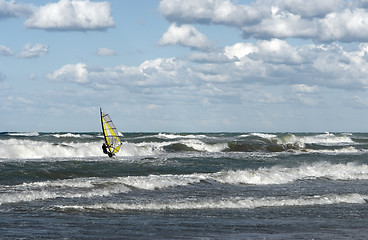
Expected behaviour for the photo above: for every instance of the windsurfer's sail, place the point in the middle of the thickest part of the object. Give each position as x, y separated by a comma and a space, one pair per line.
110, 133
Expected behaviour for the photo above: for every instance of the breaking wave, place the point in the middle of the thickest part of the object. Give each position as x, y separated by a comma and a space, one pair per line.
26, 134
66, 145
101, 187
231, 203
28, 149
283, 175
327, 139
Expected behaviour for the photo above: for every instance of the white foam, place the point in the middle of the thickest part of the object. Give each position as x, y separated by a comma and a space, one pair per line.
264, 135
97, 187
243, 136
283, 175
25, 134
87, 188
153, 182
346, 150
33, 195
154, 148
141, 149
67, 135
92, 187
27, 149
326, 139
230, 203
180, 136
205, 147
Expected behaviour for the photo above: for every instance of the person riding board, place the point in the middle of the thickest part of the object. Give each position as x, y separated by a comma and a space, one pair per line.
104, 149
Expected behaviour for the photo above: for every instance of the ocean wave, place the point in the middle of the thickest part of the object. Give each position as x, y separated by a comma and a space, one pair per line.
326, 139
345, 150
101, 187
284, 175
264, 135
179, 136
231, 203
34, 195
67, 145
25, 134
28, 149
92, 187
87, 188
243, 136
69, 135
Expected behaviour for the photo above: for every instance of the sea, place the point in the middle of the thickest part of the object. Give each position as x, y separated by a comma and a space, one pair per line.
184, 186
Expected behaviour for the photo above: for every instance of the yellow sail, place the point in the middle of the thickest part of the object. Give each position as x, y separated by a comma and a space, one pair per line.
110, 133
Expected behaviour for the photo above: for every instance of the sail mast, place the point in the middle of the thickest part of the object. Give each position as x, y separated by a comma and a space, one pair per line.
102, 125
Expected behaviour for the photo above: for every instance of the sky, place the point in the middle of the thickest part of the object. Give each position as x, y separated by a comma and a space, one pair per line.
184, 65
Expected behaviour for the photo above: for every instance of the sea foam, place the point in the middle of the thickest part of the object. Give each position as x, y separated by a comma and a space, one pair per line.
230, 203
29, 149
284, 175
98, 187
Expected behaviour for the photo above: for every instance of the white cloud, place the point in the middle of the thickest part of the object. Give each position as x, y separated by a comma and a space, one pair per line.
209, 57
5, 51
71, 72
72, 15
239, 50
311, 8
346, 26
185, 35
303, 71
105, 52
302, 88
277, 62
151, 73
281, 24
277, 51
13, 9
323, 21
208, 11
33, 51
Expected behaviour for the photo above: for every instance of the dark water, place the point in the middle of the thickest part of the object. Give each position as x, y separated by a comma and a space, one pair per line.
184, 186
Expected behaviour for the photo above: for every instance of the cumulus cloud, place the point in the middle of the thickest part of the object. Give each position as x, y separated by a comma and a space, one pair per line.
346, 26
281, 25
209, 57
208, 11
275, 61
13, 9
239, 50
5, 51
34, 51
185, 35
277, 51
305, 69
72, 15
321, 21
71, 72
311, 8
105, 52
150, 73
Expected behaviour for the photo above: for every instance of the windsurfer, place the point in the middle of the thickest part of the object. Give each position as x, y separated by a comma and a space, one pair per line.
104, 149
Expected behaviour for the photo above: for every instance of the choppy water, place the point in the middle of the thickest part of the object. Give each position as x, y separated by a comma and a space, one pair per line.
184, 186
